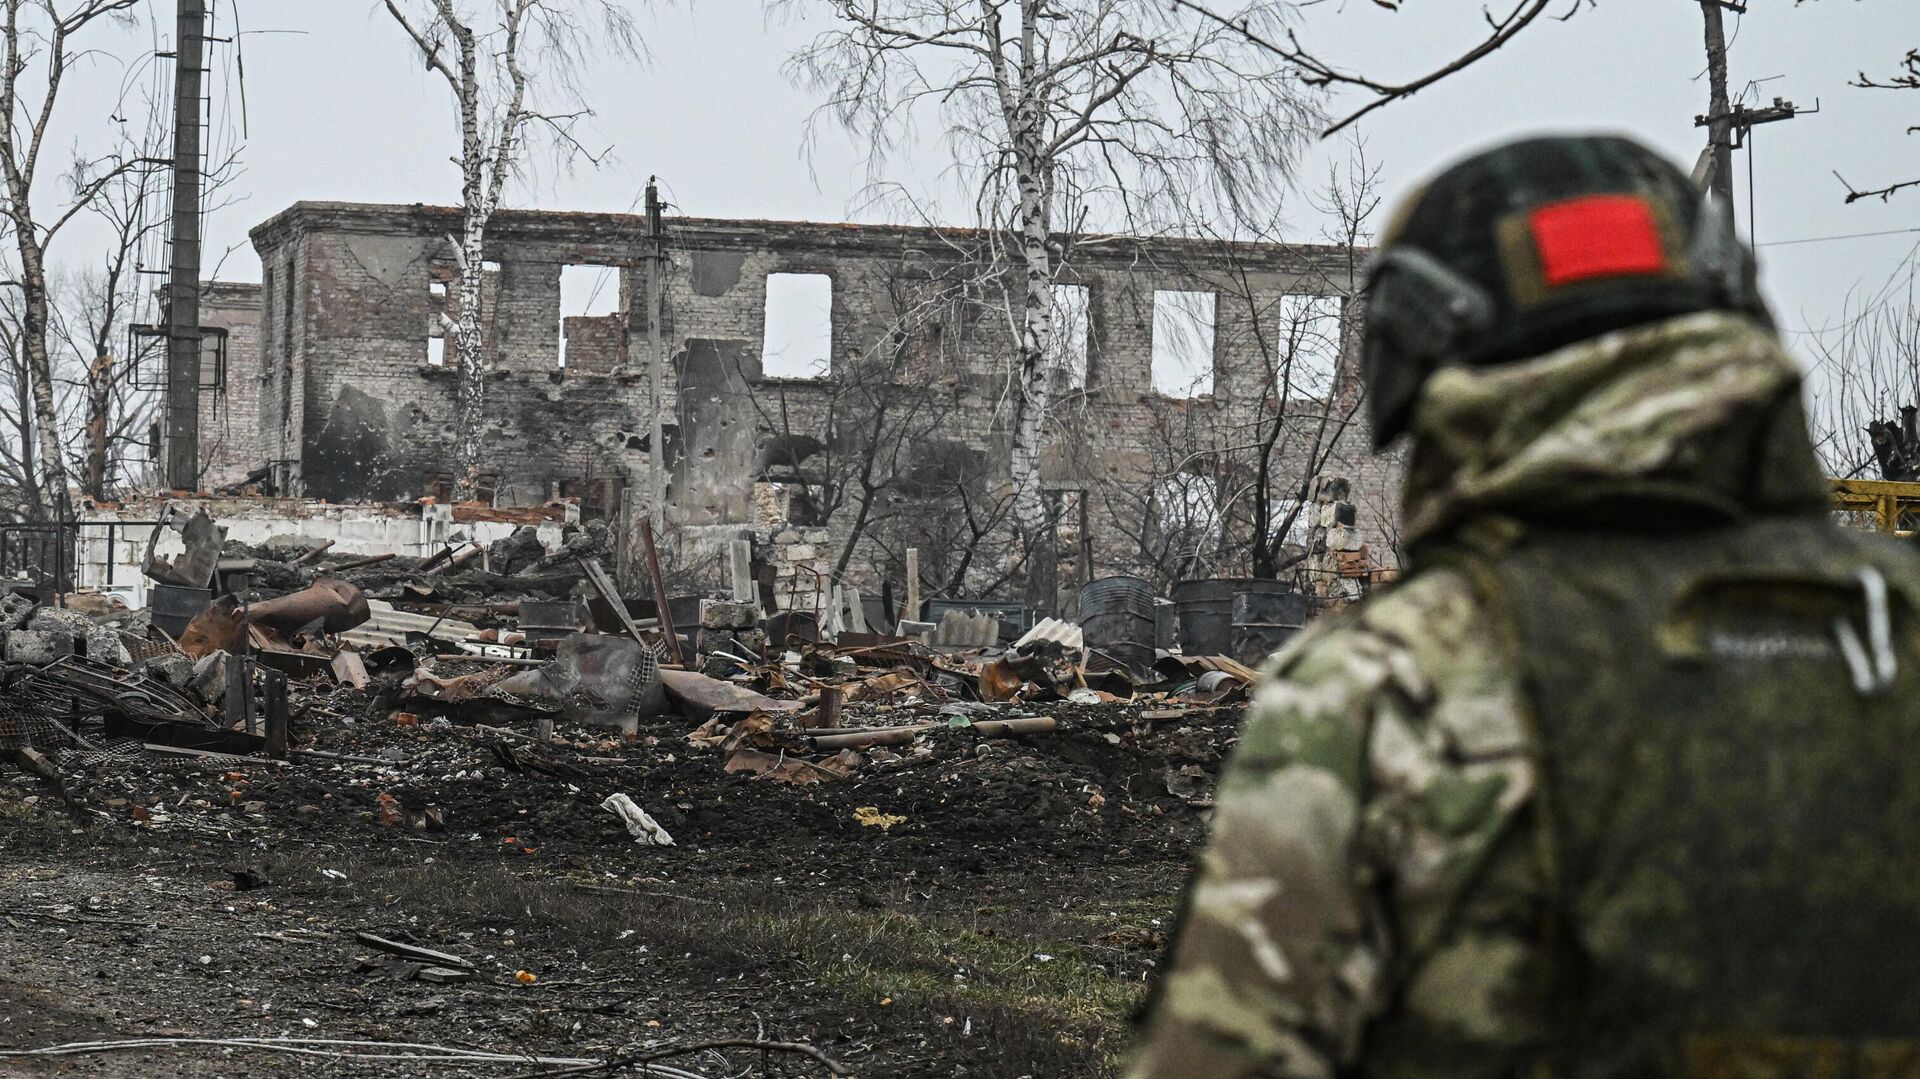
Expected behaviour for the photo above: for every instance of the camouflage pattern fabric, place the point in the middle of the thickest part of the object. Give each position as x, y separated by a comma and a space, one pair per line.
1371, 898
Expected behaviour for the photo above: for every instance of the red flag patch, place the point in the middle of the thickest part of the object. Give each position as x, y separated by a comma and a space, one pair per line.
1597, 236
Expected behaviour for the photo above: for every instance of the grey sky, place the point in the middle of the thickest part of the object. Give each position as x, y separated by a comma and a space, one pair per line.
337, 108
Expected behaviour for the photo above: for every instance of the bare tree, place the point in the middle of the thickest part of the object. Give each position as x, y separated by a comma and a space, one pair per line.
1058, 109
491, 56
852, 436
1866, 383
21, 494
1316, 71
39, 39
1906, 78
89, 316
1229, 476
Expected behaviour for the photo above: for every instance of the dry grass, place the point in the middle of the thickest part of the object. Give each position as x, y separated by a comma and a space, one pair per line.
1046, 992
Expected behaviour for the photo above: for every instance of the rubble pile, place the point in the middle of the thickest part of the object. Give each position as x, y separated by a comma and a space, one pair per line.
512, 694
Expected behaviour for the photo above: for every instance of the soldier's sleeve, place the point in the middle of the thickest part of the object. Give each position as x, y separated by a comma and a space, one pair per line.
1384, 755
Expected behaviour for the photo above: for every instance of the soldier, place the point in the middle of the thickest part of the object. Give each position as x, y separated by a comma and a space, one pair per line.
1623, 779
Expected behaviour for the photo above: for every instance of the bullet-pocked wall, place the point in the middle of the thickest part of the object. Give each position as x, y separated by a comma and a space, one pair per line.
353, 385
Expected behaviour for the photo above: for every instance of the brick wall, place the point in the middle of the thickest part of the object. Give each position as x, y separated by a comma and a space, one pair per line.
230, 445
347, 397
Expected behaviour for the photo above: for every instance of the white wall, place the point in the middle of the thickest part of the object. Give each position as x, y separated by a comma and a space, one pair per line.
411, 531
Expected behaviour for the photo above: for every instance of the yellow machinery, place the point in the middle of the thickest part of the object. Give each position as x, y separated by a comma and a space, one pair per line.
1888, 500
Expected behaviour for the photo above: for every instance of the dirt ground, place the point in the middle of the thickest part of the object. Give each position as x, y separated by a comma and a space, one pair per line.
1006, 925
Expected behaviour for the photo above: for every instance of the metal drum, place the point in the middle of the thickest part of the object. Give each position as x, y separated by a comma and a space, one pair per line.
1266, 614
1117, 616
1204, 610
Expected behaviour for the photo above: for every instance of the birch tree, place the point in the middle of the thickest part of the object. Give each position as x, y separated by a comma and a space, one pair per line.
1061, 112
511, 67
103, 408
40, 40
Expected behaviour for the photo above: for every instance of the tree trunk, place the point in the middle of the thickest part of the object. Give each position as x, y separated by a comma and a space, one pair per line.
33, 341
36, 507
469, 335
1035, 399
470, 351
99, 409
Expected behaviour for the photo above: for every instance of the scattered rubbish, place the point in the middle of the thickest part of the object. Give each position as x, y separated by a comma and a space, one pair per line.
644, 829
398, 693
871, 817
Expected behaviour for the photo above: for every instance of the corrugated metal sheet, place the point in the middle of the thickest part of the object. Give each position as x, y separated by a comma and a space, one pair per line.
390, 626
1068, 634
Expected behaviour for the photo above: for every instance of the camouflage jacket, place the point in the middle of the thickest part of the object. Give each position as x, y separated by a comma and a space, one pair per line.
1368, 904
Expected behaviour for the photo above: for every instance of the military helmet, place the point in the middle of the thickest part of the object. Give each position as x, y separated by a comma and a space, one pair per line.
1537, 244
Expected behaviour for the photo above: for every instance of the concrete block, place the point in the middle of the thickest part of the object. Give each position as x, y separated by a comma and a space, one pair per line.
727, 614
209, 679
36, 647
173, 668
105, 646
1344, 538
60, 620
14, 611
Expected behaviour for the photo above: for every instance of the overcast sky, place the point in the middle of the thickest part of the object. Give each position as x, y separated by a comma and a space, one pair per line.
336, 107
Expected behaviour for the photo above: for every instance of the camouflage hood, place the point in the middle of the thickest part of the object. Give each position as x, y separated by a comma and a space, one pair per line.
1695, 418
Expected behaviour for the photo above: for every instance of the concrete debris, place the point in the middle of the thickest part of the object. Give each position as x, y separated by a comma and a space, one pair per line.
528, 651
728, 614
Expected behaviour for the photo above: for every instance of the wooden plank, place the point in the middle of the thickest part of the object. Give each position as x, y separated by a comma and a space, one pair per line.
597, 577
412, 951
913, 586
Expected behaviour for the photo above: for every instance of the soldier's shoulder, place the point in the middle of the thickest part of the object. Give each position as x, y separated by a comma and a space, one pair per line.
1430, 648
1429, 618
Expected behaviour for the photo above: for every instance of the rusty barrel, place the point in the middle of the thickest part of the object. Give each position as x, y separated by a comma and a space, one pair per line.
1266, 614
1204, 613
1117, 615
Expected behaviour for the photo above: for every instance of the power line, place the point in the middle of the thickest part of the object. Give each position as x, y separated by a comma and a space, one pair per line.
1843, 236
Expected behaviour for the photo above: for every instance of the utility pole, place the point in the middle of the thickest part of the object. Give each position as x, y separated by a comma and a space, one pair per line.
656, 352
1730, 126
183, 282
1719, 118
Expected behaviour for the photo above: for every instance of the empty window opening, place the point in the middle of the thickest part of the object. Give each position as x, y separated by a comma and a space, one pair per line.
1307, 346
799, 326
589, 292
440, 304
1072, 331
1183, 324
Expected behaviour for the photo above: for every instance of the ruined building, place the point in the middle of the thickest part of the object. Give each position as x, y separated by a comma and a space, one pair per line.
338, 383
